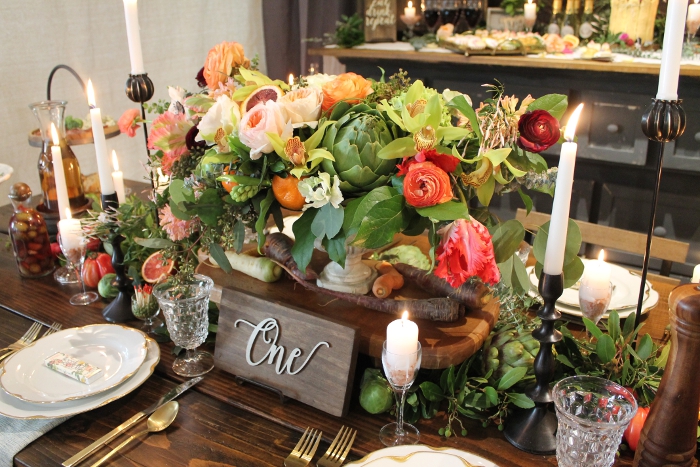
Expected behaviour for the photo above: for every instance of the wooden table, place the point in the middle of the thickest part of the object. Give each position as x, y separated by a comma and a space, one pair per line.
220, 423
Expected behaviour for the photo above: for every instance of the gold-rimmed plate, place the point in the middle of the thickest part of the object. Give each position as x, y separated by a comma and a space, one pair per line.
117, 350
421, 456
16, 408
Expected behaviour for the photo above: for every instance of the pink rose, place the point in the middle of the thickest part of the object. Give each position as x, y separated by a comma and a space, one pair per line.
128, 122
466, 250
267, 117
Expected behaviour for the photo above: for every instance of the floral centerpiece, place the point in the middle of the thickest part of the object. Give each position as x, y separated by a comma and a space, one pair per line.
361, 159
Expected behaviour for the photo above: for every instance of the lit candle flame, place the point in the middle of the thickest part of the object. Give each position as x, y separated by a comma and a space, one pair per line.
570, 132
410, 4
68, 214
54, 135
405, 315
91, 95
291, 79
601, 256
115, 161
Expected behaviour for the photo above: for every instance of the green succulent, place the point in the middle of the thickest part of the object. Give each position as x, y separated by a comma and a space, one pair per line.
507, 349
354, 140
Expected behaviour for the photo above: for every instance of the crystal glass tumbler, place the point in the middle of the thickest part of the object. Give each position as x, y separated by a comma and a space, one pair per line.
593, 413
185, 306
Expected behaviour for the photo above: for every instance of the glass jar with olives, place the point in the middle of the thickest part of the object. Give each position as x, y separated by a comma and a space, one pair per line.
29, 235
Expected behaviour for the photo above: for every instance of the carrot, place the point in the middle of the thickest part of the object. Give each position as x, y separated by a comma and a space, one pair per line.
435, 309
386, 283
385, 267
278, 247
473, 295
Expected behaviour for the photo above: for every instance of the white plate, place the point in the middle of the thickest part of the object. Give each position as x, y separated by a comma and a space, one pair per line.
15, 408
5, 172
119, 351
421, 456
625, 288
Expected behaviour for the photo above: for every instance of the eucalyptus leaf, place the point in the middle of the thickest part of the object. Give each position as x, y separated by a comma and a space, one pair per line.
304, 240
521, 400
335, 247
506, 238
555, 104
573, 242
220, 257
645, 347
158, 243
431, 391
513, 376
572, 271
605, 348
328, 221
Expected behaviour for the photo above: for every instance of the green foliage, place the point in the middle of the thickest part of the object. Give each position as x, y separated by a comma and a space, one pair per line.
349, 31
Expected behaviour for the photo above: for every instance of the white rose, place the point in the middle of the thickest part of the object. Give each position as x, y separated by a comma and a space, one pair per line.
268, 117
303, 106
224, 114
318, 80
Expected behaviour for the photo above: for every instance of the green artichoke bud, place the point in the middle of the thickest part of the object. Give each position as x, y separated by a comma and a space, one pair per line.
242, 193
354, 140
508, 349
376, 396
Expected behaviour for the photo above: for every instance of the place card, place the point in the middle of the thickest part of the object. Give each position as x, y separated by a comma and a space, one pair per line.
305, 356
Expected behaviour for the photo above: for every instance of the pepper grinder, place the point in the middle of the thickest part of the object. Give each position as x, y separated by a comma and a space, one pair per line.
669, 434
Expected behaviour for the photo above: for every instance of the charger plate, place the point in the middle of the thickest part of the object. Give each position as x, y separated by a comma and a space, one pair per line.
117, 350
15, 408
421, 456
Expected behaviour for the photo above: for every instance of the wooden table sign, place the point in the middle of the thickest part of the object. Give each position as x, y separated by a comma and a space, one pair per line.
380, 20
306, 356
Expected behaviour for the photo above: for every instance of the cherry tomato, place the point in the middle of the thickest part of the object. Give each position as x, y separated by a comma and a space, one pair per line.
228, 186
91, 271
55, 249
634, 429
94, 245
104, 262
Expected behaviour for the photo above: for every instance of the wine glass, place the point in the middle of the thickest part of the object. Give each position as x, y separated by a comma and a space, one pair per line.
145, 307
594, 300
449, 11
74, 248
472, 12
185, 305
401, 371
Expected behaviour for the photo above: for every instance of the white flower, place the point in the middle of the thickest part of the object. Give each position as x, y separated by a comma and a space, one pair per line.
268, 117
319, 79
318, 191
303, 106
177, 99
224, 114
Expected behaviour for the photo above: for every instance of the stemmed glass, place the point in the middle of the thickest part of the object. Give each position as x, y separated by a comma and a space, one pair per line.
185, 305
594, 301
401, 371
74, 248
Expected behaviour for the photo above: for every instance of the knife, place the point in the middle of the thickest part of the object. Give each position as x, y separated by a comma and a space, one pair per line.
170, 395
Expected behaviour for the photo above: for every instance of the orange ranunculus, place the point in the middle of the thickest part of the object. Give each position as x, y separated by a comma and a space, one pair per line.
426, 184
466, 250
347, 87
221, 61
128, 122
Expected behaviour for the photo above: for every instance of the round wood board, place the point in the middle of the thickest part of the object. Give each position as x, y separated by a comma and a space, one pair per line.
74, 137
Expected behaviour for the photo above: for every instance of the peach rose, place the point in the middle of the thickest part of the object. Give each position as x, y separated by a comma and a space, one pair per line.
221, 61
303, 106
426, 184
264, 118
348, 87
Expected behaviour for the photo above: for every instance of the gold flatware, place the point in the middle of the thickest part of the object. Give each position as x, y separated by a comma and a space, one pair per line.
167, 397
159, 421
22, 342
305, 449
339, 448
55, 327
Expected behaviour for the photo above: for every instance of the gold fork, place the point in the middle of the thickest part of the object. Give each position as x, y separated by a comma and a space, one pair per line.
25, 340
305, 449
339, 448
55, 327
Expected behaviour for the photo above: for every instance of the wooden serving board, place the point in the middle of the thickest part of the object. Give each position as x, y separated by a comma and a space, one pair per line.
443, 344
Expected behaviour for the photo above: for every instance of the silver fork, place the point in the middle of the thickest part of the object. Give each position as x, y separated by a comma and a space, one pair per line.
305, 449
25, 340
339, 448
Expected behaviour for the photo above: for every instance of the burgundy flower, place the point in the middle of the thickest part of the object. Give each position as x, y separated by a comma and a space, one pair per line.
190, 139
538, 131
201, 81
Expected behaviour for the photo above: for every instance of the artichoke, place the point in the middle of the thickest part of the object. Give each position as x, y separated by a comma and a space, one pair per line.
354, 140
507, 349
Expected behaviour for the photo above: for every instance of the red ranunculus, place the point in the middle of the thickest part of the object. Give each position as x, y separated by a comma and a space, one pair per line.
426, 185
404, 165
446, 162
466, 250
538, 131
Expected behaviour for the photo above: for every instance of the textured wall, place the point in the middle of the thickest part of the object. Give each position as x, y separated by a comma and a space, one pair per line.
90, 36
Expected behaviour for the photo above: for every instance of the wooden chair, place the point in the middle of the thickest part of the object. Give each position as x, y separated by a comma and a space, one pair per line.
669, 251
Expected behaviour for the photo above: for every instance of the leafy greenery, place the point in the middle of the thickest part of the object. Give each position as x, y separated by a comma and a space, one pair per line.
349, 31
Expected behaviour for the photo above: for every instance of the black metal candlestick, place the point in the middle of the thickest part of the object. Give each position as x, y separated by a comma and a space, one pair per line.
663, 122
139, 88
119, 310
534, 430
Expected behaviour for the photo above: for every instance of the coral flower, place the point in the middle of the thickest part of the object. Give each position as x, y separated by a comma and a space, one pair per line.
127, 122
221, 61
348, 87
466, 250
426, 184
176, 229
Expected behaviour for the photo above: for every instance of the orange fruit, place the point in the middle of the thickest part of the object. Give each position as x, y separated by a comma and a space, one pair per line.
228, 186
287, 193
156, 268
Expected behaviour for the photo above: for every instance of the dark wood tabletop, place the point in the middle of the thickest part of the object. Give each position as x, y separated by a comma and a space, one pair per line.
220, 422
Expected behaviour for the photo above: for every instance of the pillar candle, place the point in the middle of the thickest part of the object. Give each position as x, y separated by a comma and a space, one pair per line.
71, 236
596, 276
672, 50
118, 179
59, 174
530, 11
556, 241
410, 11
696, 274
402, 336
133, 34
98, 134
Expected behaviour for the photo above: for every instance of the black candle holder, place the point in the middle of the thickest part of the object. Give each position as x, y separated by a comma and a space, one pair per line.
534, 430
662, 122
119, 310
